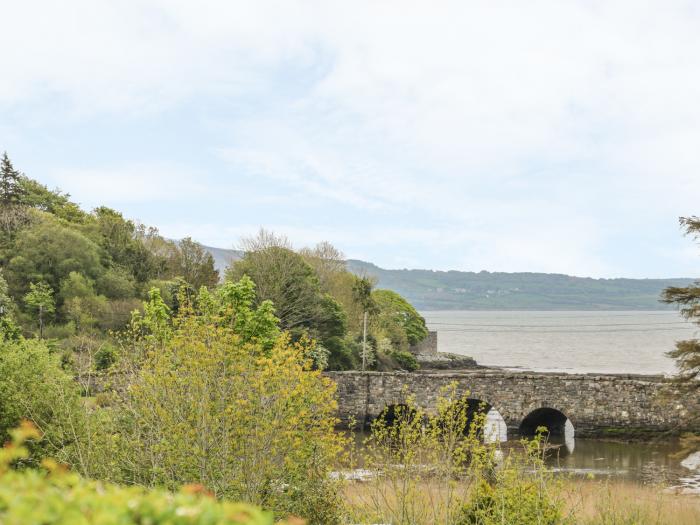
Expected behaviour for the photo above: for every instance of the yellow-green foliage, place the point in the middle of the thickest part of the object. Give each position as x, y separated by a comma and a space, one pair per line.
435, 468
33, 386
211, 403
54, 496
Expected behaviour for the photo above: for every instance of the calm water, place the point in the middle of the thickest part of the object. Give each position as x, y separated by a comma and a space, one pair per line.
574, 342
578, 342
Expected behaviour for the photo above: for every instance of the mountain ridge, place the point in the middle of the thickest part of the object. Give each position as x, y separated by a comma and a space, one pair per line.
460, 290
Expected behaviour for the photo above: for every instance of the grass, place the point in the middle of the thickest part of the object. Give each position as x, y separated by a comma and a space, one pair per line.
586, 502
628, 503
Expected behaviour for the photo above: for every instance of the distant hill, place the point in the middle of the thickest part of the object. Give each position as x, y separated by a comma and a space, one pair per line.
454, 290
223, 257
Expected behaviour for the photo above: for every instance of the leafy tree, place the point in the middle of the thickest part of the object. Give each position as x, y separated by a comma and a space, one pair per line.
40, 300
39, 197
283, 277
6, 304
236, 308
362, 292
260, 418
687, 353
194, 264
49, 251
394, 310
116, 283
119, 238
8, 329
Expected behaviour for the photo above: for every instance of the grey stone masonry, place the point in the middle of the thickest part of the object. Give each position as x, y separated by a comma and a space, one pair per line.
596, 405
428, 346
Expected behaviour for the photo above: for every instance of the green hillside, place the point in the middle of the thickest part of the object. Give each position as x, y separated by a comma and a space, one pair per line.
454, 290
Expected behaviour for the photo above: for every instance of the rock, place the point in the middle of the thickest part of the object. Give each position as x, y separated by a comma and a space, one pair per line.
692, 462
445, 361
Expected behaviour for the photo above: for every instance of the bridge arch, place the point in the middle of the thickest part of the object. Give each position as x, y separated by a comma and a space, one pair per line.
476, 411
395, 412
554, 420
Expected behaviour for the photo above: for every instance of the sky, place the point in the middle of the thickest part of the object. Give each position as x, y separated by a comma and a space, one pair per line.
544, 136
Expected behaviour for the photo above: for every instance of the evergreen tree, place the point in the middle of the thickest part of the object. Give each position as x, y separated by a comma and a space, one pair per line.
687, 353
11, 190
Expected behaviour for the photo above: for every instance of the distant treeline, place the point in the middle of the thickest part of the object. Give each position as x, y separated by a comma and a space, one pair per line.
454, 290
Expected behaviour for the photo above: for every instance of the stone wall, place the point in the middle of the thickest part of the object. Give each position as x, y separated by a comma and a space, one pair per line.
597, 405
428, 346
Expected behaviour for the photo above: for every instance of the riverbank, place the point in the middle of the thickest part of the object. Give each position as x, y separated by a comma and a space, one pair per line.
585, 502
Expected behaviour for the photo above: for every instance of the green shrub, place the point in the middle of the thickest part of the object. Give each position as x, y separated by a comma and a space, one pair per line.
33, 386
54, 496
105, 357
515, 500
405, 360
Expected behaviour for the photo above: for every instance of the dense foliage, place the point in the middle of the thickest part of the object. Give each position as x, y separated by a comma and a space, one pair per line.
77, 272
33, 386
54, 496
316, 296
77, 276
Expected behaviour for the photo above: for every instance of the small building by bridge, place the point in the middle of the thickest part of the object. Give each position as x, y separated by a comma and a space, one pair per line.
597, 405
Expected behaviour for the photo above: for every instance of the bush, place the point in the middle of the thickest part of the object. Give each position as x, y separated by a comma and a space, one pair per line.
105, 357
33, 386
514, 499
55, 496
212, 402
405, 360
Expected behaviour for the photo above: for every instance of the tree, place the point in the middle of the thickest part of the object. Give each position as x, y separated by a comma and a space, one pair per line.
283, 277
397, 311
39, 197
120, 239
12, 212
6, 304
8, 329
40, 299
327, 261
11, 190
223, 400
687, 353
48, 251
194, 264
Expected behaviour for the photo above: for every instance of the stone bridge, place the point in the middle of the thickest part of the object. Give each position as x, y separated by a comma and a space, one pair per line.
597, 405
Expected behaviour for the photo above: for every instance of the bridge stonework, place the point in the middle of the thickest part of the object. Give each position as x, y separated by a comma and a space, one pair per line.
596, 405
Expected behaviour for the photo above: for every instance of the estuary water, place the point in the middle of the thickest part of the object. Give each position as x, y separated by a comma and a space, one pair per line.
619, 342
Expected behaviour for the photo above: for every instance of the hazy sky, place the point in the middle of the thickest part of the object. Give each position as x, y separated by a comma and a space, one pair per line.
555, 136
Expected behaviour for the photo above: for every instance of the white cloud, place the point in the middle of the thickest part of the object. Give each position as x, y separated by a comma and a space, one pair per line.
539, 128
133, 183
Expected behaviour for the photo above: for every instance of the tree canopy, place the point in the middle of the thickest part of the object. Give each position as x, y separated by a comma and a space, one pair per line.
100, 266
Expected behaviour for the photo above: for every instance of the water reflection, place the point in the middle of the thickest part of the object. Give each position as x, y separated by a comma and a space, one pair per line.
495, 429
642, 462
